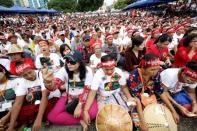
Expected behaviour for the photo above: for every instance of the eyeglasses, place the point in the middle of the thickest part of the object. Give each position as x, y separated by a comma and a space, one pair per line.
71, 62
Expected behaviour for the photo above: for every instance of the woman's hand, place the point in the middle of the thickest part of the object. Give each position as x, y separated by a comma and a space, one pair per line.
47, 74
86, 117
2, 126
194, 109
37, 125
131, 103
143, 126
176, 117
78, 109
184, 111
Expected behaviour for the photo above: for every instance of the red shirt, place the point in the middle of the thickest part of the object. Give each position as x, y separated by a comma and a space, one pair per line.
181, 42
150, 43
182, 58
92, 41
162, 53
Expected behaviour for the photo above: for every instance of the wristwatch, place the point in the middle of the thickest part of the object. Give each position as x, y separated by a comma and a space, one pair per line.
131, 103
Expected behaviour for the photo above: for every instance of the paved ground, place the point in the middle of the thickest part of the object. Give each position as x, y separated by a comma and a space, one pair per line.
187, 124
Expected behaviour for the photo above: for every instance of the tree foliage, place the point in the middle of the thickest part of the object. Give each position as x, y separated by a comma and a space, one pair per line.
75, 5
89, 5
122, 3
63, 5
6, 3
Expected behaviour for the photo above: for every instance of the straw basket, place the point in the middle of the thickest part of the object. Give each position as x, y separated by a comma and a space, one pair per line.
113, 117
159, 118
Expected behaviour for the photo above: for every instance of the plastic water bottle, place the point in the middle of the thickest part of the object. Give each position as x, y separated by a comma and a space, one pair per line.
27, 129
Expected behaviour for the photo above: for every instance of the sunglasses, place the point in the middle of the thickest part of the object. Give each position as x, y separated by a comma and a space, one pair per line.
71, 62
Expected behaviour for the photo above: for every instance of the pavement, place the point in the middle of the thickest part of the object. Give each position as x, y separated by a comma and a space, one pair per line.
186, 124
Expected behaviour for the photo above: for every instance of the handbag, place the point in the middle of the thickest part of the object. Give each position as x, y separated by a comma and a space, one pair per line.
71, 106
146, 99
10, 94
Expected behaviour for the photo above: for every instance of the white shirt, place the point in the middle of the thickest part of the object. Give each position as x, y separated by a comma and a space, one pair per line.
54, 60
100, 82
95, 60
127, 40
10, 85
117, 41
5, 62
59, 42
75, 90
37, 85
169, 78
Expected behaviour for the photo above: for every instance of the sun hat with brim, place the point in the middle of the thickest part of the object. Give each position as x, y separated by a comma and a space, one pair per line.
14, 49
11, 36
113, 117
159, 118
74, 56
62, 33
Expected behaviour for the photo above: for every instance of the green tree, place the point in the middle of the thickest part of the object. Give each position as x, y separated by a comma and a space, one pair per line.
75, 5
122, 3
6, 3
63, 5
89, 5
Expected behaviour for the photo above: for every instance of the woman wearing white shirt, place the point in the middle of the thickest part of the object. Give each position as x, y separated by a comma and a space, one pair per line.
108, 82
76, 79
95, 58
8, 86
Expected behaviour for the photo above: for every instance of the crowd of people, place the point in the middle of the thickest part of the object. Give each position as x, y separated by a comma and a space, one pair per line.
63, 69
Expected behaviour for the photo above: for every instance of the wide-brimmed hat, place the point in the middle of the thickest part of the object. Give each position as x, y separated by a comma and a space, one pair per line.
11, 36
159, 117
113, 117
14, 49
62, 33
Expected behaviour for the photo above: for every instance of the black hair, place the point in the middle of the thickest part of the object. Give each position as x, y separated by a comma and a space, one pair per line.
149, 57
7, 73
188, 39
1, 33
137, 41
62, 48
134, 32
189, 31
107, 27
97, 29
192, 65
163, 38
106, 58
82, 71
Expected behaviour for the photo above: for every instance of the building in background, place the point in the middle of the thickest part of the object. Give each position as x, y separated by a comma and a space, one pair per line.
107, 5
31, 3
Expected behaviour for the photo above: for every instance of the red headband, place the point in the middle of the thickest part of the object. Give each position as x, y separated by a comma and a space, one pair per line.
190, 73
108, 64
96, 43
109, 37
150, 63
